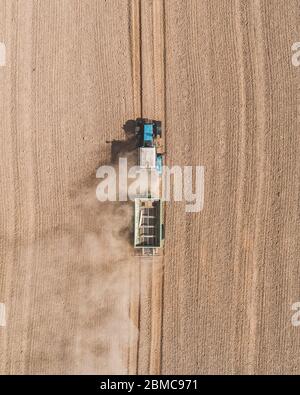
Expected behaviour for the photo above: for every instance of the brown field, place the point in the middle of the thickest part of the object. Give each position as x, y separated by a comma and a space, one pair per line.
218, 73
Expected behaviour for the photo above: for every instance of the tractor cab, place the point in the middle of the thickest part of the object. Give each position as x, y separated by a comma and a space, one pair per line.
148, 135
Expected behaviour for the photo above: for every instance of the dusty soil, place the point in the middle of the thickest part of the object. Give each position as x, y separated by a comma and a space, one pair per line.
218, 73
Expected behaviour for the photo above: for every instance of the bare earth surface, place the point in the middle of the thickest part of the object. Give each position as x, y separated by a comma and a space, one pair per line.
218, 73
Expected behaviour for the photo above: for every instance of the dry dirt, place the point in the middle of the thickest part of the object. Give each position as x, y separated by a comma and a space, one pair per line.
218, 73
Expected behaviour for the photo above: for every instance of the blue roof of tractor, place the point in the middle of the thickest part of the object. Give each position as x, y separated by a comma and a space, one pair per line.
148, 132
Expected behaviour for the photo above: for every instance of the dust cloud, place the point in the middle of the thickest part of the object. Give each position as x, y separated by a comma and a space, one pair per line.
108, 268
83, 274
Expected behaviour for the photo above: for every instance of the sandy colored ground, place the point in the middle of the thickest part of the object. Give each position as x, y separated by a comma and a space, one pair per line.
219, 74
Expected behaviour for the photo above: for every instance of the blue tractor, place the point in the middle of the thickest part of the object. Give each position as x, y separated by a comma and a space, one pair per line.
150, 143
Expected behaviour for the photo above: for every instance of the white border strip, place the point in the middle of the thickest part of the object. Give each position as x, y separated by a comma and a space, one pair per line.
2, 54
2, 315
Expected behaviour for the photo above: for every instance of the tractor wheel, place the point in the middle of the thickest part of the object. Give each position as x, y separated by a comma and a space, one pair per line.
158, 130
